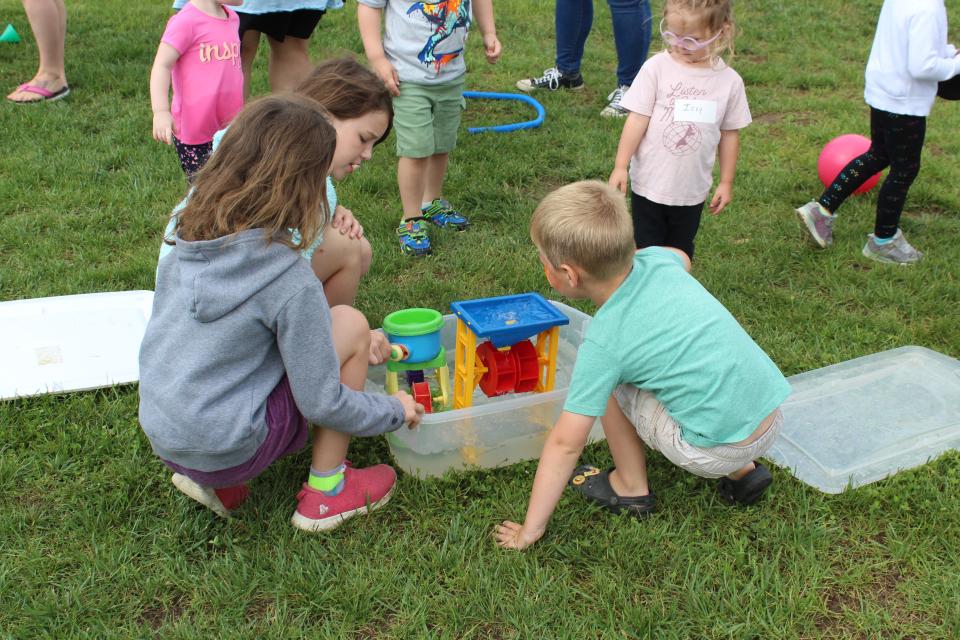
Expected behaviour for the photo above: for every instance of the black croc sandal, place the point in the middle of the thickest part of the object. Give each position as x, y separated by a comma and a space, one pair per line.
747, 489
594, 485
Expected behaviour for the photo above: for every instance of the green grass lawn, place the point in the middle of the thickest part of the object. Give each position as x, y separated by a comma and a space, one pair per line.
96, 542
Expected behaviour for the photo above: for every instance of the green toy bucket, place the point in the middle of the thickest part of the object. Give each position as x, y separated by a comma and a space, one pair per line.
417, 330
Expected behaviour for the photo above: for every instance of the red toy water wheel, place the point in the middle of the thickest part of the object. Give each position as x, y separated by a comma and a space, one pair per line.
421, 394
501, 375
528, 368
515, 369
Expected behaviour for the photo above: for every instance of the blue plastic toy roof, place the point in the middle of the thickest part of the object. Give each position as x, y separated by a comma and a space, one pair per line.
506, 320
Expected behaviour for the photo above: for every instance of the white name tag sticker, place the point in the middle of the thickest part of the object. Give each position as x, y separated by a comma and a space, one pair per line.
695, 111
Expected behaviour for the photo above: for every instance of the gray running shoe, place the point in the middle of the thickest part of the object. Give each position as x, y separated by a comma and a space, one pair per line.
613, 108
551, 80
818, 221
897, 251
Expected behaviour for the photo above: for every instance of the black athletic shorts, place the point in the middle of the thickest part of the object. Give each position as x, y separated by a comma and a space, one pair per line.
280, 24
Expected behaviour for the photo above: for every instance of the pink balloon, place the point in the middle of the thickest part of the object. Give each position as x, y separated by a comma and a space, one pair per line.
837, 153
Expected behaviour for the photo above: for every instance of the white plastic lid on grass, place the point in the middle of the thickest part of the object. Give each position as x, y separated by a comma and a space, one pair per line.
71, 343
862, 420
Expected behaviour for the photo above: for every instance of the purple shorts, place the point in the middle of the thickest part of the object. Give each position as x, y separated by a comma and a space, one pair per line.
287, 432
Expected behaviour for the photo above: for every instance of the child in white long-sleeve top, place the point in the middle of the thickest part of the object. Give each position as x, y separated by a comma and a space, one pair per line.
910, 55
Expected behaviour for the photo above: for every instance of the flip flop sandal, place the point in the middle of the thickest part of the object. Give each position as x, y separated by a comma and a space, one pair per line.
594, 485
747, 489
45, 94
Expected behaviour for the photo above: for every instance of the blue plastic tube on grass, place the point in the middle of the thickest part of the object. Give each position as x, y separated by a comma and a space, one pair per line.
505, 128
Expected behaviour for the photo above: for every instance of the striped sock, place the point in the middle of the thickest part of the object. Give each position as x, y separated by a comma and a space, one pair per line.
330, 482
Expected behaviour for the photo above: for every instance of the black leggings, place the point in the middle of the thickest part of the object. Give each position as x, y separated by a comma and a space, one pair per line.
192, 156
896, 142
664, 225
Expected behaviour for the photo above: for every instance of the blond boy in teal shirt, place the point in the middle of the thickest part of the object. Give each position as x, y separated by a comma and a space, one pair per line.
663, 364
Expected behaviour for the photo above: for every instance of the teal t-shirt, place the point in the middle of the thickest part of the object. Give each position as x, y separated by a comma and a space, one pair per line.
662, 332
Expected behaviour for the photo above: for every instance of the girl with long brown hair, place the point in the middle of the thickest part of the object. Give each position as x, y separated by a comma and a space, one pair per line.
242, 349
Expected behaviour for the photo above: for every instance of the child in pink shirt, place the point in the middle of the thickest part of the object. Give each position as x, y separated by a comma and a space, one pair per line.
200, 52
684, 105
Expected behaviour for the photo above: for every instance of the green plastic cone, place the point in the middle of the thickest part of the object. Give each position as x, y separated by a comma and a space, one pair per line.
10, 35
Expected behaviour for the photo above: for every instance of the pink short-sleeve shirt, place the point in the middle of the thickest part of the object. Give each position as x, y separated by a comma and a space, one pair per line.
688, 108
207, 78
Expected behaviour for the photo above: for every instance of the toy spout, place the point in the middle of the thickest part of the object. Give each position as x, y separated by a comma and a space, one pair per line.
398, 352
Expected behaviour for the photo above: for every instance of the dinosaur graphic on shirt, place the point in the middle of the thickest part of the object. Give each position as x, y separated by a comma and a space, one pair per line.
446, 16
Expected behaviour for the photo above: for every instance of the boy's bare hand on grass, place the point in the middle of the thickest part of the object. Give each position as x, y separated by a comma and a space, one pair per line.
511, 535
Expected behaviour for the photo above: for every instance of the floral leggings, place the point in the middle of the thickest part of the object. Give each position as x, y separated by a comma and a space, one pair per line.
192, 156
896, 142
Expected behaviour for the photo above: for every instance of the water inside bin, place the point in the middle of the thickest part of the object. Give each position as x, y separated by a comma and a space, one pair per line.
862, 420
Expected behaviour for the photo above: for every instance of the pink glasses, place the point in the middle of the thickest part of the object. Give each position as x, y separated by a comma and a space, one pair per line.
686, 42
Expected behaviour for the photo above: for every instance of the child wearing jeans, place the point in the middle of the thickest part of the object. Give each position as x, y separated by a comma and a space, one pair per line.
420, 58
663, 364
242, 349
909, 56
686, 105
200, 53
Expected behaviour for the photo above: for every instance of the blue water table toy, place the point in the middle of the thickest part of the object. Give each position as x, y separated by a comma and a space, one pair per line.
414, 336
506, 361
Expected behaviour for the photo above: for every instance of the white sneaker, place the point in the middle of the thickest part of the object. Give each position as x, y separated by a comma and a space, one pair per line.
613, 108
897, 251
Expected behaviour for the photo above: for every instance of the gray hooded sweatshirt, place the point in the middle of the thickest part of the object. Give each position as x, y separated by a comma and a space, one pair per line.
231, 316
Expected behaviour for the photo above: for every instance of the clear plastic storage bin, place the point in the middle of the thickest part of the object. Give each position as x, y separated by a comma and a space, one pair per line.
494, 431
856, 422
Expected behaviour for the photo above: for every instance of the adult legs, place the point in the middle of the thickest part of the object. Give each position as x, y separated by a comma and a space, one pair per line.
289, 63
573, 19
632, 24
249, 43
48, 21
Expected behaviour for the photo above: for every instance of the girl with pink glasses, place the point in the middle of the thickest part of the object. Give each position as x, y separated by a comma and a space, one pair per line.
685, 105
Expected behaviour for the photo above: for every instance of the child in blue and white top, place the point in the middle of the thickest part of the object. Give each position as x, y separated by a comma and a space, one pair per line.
420, 58
361, 112
910, 55
662, 364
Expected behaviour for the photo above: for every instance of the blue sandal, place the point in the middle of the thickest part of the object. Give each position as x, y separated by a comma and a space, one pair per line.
594, 485
413, 239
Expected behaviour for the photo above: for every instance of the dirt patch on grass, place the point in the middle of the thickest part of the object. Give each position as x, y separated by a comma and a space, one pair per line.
159, 614
768, 118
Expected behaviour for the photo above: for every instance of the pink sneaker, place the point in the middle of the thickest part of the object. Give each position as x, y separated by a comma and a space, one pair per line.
363, 491
220, 501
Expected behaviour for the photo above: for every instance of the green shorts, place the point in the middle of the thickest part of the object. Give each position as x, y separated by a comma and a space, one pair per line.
426, 118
